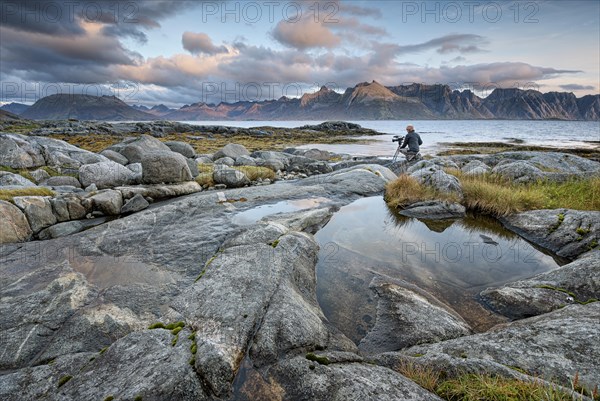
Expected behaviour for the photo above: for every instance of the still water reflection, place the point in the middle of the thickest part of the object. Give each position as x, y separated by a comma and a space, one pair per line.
454, 260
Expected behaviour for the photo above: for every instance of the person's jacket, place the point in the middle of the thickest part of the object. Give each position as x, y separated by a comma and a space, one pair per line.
413, 140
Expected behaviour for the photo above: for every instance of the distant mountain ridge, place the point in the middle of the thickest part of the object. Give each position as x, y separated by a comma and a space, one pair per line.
83, 107
15, 108
365, 101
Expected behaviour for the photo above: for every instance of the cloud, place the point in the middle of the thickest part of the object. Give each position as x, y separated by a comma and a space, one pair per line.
65, 17
84, 58
305, 34
576, 87
461, 43
197, 43
353, 25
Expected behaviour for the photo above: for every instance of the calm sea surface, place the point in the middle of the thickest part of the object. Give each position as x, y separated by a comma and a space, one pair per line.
559, 134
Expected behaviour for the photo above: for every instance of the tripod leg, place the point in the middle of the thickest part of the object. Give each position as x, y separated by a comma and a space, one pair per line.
396, 155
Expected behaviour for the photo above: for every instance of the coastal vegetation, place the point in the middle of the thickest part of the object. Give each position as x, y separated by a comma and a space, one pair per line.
206, 142
499, 196
487, 387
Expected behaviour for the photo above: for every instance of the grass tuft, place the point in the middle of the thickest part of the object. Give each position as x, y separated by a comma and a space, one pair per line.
496, 196
406, 190
22, 172
8, 195
492, 388
255, 173
424, 376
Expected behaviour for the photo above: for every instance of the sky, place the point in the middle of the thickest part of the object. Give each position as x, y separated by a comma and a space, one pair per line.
183, 52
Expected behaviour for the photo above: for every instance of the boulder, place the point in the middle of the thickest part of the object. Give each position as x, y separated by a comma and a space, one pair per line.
438, 179
396, 167
364, 179
164, 167
14, 226
556, 345
317, 154
434, 210
108, 201
161, 191
135, 150
576, 282
136, 169
308, 166
225, 161
309, 221
244, 161
182, 148
568, 233
475, 167
231, 150
38, 211
421, 165
272, 158
519, 171
76, 208
407, 316
105, 175
193, 165
204, 159
12, 155
61, 230
61, 181
114, 156
275, 165
348, 380
60, 209
230, 177
477, 171
14, 180
61, 154
135, 204
40, 175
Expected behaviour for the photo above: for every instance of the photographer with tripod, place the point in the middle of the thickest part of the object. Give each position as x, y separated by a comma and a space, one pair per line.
412, 140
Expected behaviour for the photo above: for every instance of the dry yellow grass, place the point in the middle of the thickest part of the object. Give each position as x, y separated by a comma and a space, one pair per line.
253, 173
406, 190
499, 197
9, 194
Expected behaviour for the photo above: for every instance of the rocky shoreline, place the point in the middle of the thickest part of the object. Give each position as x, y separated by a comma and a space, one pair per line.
124, 296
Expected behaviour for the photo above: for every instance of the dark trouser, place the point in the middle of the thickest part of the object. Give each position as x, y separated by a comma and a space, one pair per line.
409, 154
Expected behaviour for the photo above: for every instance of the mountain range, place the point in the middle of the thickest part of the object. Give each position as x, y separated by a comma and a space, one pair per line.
365, 101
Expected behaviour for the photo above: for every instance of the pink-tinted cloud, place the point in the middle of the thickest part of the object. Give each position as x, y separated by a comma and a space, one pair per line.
197, 43
305, 34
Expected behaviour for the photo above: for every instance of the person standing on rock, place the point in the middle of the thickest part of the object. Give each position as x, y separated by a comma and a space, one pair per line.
413, 141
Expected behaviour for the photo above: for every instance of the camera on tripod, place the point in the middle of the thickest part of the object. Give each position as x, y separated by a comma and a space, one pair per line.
397, 138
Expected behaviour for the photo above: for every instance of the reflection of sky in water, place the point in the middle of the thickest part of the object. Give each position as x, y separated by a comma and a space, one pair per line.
449, 259
458, 255
253, 215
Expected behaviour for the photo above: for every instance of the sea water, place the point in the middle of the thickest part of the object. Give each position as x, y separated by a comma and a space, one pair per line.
437, 133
